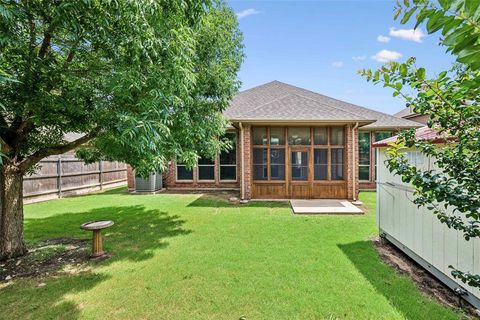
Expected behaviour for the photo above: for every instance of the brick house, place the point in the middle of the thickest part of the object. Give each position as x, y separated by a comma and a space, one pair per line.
292, 143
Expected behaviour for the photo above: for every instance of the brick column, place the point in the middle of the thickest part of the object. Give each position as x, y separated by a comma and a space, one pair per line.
247, 158
352, 140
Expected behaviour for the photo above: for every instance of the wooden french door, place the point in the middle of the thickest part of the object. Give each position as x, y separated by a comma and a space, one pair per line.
299, 173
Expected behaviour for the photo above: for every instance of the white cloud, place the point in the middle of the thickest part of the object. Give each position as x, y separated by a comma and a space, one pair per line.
383, 39
247, 12
337, 64
416, 35
359, 58
386, 56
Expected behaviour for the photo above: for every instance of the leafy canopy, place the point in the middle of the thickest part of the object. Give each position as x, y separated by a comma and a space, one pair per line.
451, 99
143, 81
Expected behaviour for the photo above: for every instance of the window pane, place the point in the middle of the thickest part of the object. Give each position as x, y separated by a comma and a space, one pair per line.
277, 136
206, 172
229, 156
364, 173
320, 136
260, 135
299, 136
183, 173
320, 164
259, 156
299, 165
277, 164
260, 170
228, 172
337, 136
380, 135
364, 148
337, 164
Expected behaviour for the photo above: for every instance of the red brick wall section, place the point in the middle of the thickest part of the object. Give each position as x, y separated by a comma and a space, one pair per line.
171, 181
130, 178
247, 149
352, 139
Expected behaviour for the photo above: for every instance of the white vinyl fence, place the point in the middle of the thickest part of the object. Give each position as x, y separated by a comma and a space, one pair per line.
418, 233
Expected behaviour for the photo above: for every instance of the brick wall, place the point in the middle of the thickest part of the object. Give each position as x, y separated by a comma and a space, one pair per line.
247, 150
172, 183
352, 140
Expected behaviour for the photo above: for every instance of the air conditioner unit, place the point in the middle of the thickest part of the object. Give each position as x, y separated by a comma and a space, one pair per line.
151, 184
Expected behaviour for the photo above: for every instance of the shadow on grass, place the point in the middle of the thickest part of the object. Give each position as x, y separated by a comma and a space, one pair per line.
210, 200
137, 233
398, 290
26, 300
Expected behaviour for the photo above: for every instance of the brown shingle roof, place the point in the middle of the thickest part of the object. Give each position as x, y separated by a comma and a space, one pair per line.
405, 113
280, 101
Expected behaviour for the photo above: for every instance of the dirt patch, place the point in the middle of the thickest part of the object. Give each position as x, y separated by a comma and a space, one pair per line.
427, 283
62, 255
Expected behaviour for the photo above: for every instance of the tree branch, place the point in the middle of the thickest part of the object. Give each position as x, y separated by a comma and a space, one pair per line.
45, 43
59, 149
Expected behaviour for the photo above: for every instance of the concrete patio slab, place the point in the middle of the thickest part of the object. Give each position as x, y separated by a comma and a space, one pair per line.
324, 206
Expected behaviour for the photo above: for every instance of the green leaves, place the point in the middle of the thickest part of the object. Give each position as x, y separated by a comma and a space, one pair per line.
154, 76
451, 101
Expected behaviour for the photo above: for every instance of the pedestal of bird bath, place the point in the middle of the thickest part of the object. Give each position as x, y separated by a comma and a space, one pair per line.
97, 240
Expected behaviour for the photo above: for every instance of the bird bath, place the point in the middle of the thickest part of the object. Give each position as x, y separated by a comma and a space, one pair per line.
97, 241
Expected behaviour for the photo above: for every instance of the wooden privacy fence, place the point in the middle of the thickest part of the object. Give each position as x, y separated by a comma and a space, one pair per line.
60, 177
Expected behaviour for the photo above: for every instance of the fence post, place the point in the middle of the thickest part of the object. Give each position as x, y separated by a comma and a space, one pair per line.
59, 177
100, 178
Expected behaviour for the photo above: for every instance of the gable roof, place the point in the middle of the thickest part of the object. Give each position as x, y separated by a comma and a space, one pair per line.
277, 101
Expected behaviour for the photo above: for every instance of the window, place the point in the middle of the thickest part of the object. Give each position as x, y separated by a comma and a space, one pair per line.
328, 154
260, 136
277, 164
184, 174
260, 164
320, 164
228, 160
206, 170
299, 165
299, 136
364, 156
337, 163
336, 137
380, 135
320, 136
277, 136
269, 153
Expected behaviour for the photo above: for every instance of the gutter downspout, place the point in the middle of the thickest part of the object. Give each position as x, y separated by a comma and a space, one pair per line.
354, 153
242, 178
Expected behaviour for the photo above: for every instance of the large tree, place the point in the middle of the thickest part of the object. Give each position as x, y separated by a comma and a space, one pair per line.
451, 99
142, 81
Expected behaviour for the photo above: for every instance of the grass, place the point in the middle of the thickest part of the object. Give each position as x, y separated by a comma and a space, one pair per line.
198, 257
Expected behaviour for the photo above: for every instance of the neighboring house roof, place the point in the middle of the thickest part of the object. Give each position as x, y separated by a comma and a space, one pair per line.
423, 133
277, 101
406, 113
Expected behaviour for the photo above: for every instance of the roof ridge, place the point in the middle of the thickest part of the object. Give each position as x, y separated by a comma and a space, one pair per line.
263, 105
323, 104
259, 86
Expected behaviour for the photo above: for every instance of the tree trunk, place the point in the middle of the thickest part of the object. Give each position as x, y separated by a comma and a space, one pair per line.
11, 212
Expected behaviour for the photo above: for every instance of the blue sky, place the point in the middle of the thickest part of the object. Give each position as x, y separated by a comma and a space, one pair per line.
320, 45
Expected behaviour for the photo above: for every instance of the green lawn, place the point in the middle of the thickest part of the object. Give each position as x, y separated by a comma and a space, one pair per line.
198, 257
